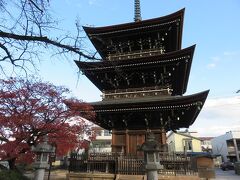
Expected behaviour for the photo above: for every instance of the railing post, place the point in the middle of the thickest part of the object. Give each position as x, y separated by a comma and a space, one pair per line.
107, 164
116, 165
88, 166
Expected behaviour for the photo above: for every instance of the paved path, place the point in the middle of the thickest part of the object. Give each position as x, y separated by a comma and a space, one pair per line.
55, 175
226, 175
220, 175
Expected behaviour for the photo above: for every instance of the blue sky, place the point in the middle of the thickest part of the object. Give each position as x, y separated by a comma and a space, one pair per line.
213, 25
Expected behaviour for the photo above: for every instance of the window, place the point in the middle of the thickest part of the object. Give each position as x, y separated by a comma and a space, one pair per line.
188, 145
107, 133
171, 147
238, 144
98, 133
206, 142
108, 144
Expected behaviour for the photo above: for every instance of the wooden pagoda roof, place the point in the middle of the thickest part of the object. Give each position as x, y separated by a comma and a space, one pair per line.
169, 70
172, 25
168, 112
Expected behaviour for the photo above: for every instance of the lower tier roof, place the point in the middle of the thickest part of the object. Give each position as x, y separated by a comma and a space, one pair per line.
169, 112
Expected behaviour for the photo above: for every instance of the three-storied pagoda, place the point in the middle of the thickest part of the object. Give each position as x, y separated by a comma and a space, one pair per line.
143, 75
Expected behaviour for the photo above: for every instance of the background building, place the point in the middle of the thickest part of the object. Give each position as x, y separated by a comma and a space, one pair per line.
227, 145
183, 142
103, 140
206, 144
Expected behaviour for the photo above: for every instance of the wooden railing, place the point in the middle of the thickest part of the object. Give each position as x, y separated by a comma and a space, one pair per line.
175, 164
131, 165
118, 163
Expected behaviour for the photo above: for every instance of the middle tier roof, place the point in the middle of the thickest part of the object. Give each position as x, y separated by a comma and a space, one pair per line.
170, 70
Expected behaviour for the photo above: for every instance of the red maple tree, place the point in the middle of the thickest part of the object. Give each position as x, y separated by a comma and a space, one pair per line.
31, 109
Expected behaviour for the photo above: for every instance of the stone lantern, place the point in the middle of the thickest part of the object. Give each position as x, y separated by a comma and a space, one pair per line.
151, 150
42, 151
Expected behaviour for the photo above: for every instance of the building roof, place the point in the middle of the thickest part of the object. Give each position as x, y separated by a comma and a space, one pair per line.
169, 27
170, 113
206, 138
170, 70
97, 128
188, 136
185, 134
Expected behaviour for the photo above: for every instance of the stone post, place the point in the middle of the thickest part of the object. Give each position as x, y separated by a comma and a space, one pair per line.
42, 151
151, 149
39, 174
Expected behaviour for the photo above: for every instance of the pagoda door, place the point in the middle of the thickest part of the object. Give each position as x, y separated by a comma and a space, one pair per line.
135, 140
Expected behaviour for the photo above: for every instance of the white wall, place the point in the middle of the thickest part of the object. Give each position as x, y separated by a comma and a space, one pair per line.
171, 142
235, 134
219, 144
176, 143
101, 140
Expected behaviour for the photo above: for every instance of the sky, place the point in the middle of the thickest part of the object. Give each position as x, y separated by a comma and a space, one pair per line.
213, 25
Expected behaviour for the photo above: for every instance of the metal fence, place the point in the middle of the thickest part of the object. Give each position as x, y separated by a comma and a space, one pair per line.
118, 163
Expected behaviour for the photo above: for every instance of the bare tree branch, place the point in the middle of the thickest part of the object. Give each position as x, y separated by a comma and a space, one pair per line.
36, 6
25, 35
9, 56
45, 39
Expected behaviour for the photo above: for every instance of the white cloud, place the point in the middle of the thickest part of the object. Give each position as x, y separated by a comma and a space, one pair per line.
223, 101
211, 65
92, 2
218, 116
79, 5
225, 56
68, 2
230, 53
214, 60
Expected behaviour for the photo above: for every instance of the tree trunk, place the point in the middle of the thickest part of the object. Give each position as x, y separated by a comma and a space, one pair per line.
12, 164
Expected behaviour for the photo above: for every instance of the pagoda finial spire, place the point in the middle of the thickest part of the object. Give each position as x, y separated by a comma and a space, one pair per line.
137, 16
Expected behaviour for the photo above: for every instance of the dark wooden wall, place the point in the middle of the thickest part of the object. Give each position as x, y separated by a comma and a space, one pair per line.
129, 141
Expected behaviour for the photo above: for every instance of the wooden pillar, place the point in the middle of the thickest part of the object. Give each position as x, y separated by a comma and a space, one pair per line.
163, 137
127, 142
164, 140
113, 141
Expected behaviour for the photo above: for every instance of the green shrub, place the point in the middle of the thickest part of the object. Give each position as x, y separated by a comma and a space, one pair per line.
11, 175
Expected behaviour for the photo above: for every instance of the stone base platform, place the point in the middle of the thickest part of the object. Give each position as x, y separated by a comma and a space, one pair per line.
105, 176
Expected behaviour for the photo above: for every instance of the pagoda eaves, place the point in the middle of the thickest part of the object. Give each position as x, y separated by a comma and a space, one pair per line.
169, 113
162, 34
166, 71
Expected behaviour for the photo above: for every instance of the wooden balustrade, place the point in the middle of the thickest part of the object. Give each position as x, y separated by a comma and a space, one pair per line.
117, 163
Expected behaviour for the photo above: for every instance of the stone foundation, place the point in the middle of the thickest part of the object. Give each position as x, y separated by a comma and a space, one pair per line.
104, 176
90, 176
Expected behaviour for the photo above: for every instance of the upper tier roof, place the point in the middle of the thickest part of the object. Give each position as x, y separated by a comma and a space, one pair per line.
164, 32
169, 70
170, 113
